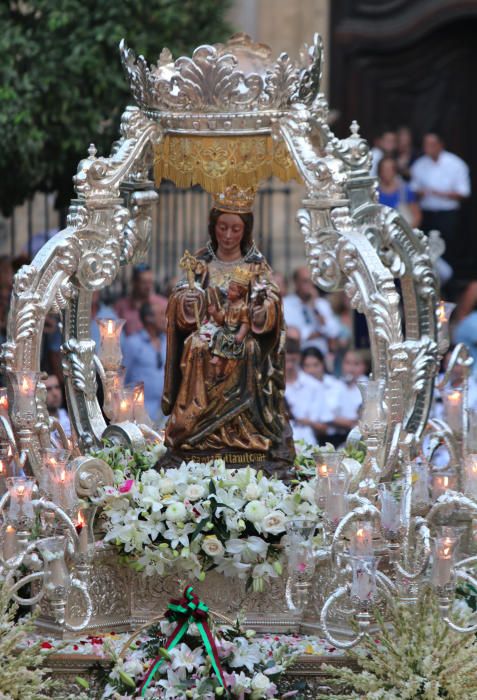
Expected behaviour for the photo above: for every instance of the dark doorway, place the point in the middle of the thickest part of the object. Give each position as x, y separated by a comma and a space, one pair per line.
398, 62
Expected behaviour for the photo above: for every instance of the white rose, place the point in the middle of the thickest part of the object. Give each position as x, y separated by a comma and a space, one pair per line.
194, 492
251, 492
176, 512
212, 546
274, 522
255, 511
166, 485
261, 682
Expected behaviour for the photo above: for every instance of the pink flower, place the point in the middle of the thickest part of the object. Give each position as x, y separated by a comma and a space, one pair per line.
127, 486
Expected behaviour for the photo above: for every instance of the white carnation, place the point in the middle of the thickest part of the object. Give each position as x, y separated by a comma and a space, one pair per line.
176, 512
255, 511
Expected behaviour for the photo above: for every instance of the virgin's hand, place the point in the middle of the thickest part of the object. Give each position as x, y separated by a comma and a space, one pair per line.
192, 296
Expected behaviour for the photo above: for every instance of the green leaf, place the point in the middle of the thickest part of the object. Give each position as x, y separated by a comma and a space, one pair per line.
199, 528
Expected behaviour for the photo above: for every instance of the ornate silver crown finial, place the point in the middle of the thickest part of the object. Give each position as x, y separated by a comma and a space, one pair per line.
92, 150
237, 84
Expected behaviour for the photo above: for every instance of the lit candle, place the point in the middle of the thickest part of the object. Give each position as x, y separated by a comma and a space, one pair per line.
139, 409
443, 314
10, 542
444, 548
82, 530
124, 406
110, 348
452, 399
20, 490
24, 383
362, 540
420, 483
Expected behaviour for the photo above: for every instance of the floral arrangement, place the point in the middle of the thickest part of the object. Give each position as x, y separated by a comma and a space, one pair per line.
249, 667
413, 656
200, 517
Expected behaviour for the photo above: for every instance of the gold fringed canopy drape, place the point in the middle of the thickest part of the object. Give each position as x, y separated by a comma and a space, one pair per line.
216, 162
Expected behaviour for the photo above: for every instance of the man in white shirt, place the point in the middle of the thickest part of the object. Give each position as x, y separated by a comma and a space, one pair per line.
310, 313
442, 181
305, 397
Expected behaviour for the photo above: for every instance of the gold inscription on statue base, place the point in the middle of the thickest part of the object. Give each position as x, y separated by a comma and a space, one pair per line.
231, 458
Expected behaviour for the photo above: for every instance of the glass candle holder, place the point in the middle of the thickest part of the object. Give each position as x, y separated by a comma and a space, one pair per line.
85, 530
7, 467
124, 405
54, 460
452, 399
326, 463
361, 544
472, 430
442, 481
24, 385
470, 465
420, 484
140, 414
443, 557
20, 511
372, 412
56, 574
59, 483
110, 347
363, 585
300, 562
113, 387
443, 314
10, 544
336, 502
392, 501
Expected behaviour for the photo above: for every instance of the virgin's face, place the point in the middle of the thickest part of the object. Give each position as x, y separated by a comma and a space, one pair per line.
229, 230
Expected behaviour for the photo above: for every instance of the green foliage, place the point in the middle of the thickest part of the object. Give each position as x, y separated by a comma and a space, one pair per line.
61, 81
413, 656
22, 674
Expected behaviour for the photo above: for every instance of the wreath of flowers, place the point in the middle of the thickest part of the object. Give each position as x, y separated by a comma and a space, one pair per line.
251, 666
200, 517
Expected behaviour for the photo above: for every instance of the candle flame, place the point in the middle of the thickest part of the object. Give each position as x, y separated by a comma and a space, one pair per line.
21, 489
10, 451
63, 476
4, 402
441, 312
454, 397
25, 385
10, 528
81, 522
110, 327
445, 481
360, 533
2, 467
124, 404
323, 469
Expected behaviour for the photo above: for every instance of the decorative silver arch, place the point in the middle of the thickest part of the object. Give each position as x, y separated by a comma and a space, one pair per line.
353, 243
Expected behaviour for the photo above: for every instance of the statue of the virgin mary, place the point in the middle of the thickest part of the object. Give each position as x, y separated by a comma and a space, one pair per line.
224, 385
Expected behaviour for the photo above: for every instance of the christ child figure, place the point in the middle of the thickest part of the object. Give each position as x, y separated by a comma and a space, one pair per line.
228, 342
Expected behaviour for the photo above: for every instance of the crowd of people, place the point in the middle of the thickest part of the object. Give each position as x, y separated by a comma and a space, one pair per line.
323, 367
426, 185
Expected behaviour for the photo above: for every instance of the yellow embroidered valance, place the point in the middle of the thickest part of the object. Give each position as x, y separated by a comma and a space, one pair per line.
215, 162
